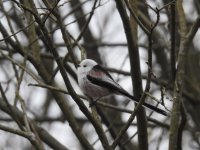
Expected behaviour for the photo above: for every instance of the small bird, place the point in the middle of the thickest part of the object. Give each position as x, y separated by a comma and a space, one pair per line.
96, 82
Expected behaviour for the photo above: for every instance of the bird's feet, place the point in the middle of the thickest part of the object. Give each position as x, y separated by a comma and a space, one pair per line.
93, 102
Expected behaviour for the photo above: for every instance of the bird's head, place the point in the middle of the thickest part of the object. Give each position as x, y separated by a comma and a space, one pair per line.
86, 65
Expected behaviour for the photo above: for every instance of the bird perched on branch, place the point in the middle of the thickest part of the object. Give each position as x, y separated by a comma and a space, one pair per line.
96, 82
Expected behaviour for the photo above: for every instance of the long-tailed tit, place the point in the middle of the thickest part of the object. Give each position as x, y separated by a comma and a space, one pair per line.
96, 82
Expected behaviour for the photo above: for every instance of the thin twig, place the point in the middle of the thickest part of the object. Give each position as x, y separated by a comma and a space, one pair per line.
28, 135
87, 22
21, 66
173, 41
136, 18
5, 38
50, 12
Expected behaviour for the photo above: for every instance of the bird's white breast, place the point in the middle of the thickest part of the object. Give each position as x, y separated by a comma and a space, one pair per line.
90, 89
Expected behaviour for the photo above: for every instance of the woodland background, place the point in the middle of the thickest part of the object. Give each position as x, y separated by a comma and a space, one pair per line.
150, 47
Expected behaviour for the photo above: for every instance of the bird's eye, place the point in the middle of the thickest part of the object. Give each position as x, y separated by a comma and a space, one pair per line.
84, 65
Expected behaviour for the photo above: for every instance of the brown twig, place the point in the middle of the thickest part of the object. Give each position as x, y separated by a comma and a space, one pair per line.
173, 41
136, 18
87, 22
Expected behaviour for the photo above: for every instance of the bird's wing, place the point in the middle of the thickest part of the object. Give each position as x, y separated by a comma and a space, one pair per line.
99, 76
99, 69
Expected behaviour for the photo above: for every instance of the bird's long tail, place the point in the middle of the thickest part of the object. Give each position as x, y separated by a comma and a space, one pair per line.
116, 88
158, 110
